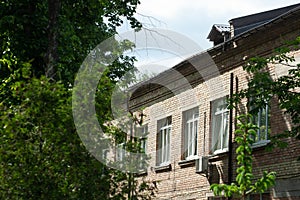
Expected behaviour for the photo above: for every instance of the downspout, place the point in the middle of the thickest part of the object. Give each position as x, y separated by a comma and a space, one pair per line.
204, 134
130, 175
230, 134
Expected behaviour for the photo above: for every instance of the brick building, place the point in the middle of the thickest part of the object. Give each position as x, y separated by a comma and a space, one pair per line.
188, 120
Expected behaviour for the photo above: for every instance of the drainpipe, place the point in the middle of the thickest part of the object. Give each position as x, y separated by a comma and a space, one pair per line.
230, 134
204, 135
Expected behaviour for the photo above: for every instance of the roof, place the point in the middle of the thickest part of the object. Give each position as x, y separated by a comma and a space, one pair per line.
145, 87
245, 23
217, 32
222, 27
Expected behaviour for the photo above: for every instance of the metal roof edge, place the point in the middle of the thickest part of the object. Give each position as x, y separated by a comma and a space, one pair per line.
255, 29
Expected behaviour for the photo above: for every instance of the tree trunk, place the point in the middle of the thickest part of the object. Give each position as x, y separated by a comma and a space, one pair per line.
51, 55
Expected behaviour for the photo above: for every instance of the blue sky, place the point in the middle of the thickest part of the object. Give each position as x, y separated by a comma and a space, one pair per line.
194, 18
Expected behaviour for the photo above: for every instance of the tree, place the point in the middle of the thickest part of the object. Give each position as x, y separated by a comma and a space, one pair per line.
261, 88
244, 185
57, 35
43, 44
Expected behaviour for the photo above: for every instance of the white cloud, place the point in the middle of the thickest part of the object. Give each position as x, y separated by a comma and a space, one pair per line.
194, 18
164, 9
168, 10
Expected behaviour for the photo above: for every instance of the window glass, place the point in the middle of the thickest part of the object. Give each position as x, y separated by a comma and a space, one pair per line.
141, 133
120, 154
163, 141
261, 120
220, 125
190, 133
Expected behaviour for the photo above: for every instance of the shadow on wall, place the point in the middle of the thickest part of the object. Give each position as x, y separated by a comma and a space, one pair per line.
214, 176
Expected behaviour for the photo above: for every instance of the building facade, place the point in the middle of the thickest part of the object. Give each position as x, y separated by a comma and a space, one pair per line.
188, 119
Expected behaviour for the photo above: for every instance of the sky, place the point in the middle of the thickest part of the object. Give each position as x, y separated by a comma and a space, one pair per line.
193, 19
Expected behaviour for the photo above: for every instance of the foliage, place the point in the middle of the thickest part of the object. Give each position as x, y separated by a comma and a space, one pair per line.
42, 156
262, 87
68, 30
135, 185
244, 180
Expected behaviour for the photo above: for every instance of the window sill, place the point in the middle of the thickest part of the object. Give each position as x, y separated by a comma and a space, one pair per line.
217, 155
163, 167
262, 143
218, 152
142, 172
188, 162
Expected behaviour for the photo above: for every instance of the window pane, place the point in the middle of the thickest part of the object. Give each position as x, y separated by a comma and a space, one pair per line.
217, 127
220, 125
168, 145
261, 121
225, 130
190, 132
159, 149
163, 140
186, 139
165, 143
195, 137
190, 135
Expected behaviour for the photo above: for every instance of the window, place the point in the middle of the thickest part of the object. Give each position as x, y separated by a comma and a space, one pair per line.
261, 120
143, 144
105, 153
190, 133
220, 122
163, 141
141, 135
120, 154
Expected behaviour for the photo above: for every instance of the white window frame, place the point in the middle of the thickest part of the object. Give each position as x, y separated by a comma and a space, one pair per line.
263, 128
143, 144
105, 153
141, 134
120, 152
163, 141
190, 133
220, 130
